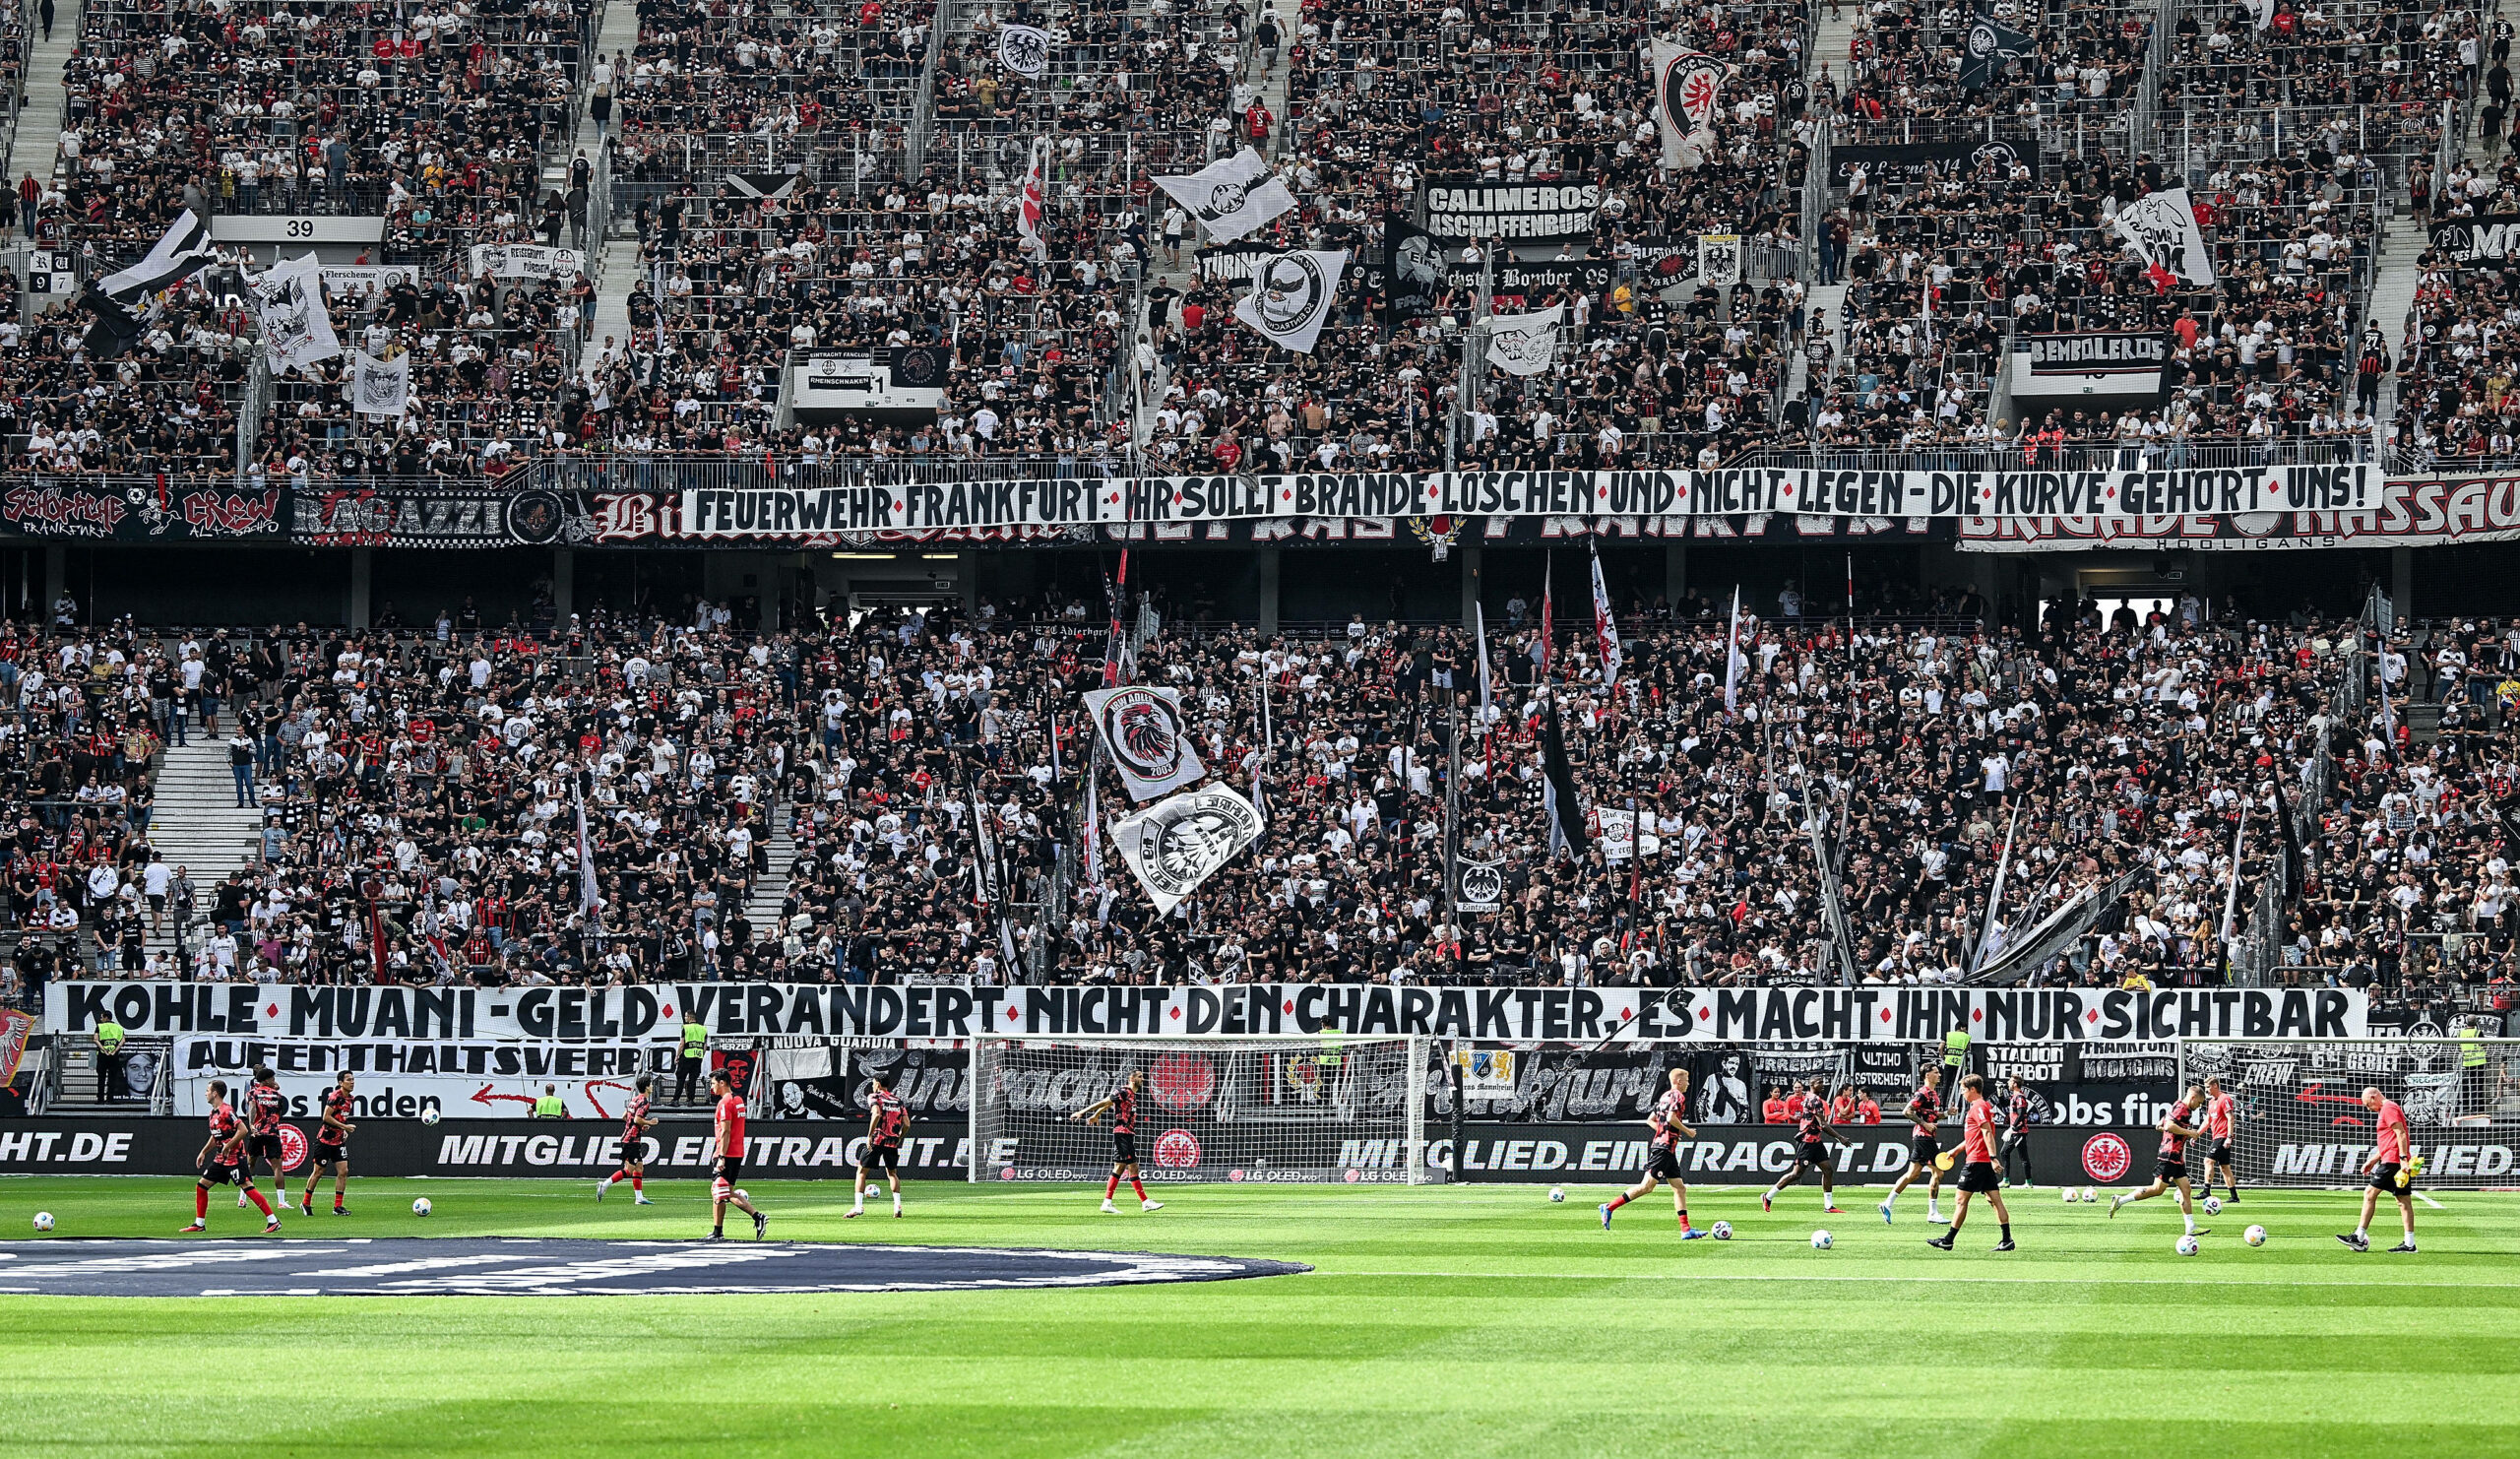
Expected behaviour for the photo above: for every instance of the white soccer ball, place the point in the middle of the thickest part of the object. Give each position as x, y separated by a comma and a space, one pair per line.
1823, 1240
2091, 1195
2213, 1205
429, 1115
421, 1207
739, 1195
2073, 1196
1557, 1194
2190, 1245
1722, 1231
2255, 1235
44, 1220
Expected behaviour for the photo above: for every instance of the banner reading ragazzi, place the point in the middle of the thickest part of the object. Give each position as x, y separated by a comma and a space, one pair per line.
1510, 1014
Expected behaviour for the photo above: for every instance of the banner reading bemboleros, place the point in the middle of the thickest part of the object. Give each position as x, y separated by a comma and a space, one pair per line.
421, 1016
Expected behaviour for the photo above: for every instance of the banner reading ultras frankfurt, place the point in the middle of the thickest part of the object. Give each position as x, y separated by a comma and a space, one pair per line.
810, 511
425, 1018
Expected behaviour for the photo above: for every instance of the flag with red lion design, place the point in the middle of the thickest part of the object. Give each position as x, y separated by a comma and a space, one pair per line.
1141, 728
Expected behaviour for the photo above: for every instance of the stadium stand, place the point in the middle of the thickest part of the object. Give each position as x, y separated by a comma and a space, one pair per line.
801, 178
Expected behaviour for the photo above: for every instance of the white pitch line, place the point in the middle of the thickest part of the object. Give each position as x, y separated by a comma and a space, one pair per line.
2430, 1201
1861, 1276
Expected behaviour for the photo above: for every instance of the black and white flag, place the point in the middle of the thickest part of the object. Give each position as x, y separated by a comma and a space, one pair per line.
1175, 845
1688, 85
759, 184
1523, 344
288, 303
1290, 298
121, 299
2161, 226
1024, 50
182, 251
1719, 260
1231, 196
1142, 729
1992, 47
380, 387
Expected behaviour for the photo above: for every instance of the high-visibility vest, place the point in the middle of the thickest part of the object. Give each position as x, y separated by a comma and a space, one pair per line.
695, 1040
2471, 1050
550, 1107
109, 1037
1954, 1047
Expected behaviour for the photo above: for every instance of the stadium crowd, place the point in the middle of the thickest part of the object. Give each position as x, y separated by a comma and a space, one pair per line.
422, 786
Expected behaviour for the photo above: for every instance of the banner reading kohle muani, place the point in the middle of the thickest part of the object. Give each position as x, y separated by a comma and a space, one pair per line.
452, 1015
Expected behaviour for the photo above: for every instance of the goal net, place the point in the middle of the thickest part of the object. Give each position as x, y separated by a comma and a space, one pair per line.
2302, 1121
1341, 1109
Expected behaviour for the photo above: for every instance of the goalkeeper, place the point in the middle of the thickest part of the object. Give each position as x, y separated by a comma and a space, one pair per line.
2391, 1168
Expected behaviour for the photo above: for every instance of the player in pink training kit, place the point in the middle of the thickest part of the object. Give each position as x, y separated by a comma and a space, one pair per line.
2222, 1114
2388, 1169
1662, 1157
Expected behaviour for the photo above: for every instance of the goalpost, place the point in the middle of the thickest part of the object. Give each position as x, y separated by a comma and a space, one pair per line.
2302, 1121
1326, 1109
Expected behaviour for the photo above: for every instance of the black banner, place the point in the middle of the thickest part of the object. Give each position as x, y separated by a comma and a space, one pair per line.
1910, 162
1468, 209
356, 515
2484, 239
162, 509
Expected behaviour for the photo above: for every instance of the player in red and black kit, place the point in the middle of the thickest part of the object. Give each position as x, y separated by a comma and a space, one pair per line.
332, 1145
2222, 1124
1925, 1150
1977, 1173
2178, 1127
264, 1106
1123, 1105
2391, 1168
223, 1162
887, 1121
2021, 1110
1663, 1156
636, 1122
730, 1161
1812, 1133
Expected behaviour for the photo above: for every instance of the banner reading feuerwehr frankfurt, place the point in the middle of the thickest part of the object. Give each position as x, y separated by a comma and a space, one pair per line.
814, 509
422, 1017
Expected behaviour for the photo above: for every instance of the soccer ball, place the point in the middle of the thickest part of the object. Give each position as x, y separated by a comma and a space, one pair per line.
421, 1207
2073, 1196
2190, 1245
2213, 1205
44, 1220
429, 1115
1822, 1241
1557, 1195
2255, 1235
1722, 1231
2091, 1195
739, 1195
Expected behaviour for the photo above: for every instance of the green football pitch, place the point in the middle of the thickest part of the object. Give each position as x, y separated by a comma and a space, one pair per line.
1440, 1321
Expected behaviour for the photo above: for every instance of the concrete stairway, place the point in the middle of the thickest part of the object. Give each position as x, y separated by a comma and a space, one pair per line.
39, 123
760, 907
197, 824
2393, 296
